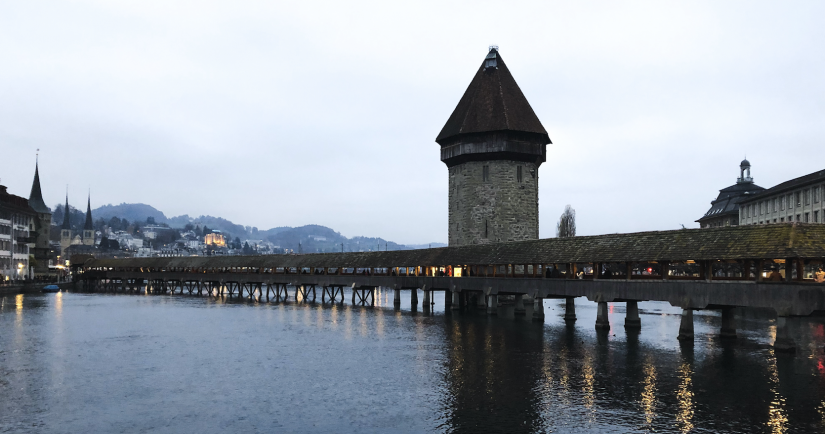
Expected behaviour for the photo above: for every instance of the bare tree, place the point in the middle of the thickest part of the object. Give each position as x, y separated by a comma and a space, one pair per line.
567, 223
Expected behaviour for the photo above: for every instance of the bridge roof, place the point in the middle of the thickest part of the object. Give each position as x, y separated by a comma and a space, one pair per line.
777, 241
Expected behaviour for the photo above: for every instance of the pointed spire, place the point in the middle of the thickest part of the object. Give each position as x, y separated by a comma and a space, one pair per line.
492, 102
66, 212
89, 226
36, 196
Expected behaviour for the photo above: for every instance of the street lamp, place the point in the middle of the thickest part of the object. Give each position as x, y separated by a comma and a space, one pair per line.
19, 269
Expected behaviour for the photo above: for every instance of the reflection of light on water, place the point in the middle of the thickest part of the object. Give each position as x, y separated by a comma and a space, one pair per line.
348, 323
589, 381
564, 379
777, 414
58, 303
379, 323
18, 302
333, 316
362, 321
684, 418
649, 392
821, 411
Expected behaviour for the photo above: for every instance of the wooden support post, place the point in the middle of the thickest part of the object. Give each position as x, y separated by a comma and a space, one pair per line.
629, 270
760, 265
664, 269
596, 269
800, 269
788, 269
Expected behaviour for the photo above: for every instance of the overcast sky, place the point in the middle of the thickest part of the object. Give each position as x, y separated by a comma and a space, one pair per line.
292, 113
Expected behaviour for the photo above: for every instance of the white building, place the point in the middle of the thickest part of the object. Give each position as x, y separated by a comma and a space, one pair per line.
797, 200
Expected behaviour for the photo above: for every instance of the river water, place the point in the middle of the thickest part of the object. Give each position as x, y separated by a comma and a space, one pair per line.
78, 363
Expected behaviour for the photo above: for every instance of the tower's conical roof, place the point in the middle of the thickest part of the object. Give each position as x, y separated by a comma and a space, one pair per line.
493, 102
89, 223
66, 214
36, 196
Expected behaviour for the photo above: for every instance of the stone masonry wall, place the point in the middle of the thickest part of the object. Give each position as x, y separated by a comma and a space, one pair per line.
496, 210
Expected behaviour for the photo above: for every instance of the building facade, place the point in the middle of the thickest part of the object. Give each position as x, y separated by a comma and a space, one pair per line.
17, 223
724, 210
493, 145
797, 200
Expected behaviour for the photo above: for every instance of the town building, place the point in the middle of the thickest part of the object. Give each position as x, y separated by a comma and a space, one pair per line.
216, 238
724, 210
797, 200
493, 145
85, 237
42, 225
17, 233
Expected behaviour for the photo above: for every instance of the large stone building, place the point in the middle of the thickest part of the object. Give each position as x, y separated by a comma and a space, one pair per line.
724, 210
493, 145
797, 200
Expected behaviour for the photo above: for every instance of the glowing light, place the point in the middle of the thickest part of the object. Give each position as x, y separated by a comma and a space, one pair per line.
684, 418
777, 413
649, 392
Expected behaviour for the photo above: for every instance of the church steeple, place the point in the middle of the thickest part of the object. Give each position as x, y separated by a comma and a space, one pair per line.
89, 223
36, 196
66, 214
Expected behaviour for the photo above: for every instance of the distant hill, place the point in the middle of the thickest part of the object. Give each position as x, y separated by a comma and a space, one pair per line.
134, 212
306, 239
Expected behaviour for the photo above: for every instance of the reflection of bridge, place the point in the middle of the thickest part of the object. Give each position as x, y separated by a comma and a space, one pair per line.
718, 268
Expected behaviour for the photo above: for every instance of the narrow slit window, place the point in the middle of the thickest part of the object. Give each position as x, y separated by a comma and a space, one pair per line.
518, 174
485, 173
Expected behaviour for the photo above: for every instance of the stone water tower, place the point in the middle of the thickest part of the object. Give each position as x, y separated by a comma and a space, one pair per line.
493, 145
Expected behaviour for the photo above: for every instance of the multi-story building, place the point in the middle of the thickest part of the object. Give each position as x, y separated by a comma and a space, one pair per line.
17, 221
797, 200
724, 210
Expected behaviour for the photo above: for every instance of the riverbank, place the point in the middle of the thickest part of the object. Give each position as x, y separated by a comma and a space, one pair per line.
31, 288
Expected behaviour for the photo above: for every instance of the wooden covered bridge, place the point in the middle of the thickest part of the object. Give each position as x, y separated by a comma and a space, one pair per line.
768, 266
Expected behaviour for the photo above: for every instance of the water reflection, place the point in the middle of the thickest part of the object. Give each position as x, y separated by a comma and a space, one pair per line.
684, 395
649, 392
365, 371
777, 415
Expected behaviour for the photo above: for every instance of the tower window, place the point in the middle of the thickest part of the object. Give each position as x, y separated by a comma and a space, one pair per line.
485, 173
485, 228
518, 173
